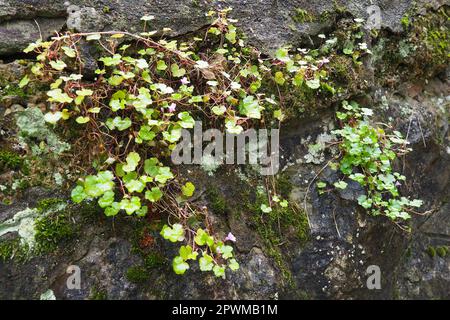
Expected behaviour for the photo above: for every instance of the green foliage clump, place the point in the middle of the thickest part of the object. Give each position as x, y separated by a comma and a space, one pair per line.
302, 16
276, 220
283, 185
51, 230
405, 21
137, 274
9, 160
368, 154
216, 256
154, 260
53, 226
47, 204
433, 30
12, 90
216, 201
98, 294
13, 248
132, 116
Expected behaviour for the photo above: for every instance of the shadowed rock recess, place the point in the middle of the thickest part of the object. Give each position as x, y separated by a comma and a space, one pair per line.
321, 250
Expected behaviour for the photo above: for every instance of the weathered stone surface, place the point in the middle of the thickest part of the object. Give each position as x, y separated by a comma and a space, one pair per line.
268, 24
17, 34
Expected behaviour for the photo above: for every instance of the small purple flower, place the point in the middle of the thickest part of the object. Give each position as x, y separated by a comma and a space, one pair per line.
172, 107
184, 80
397, 184
230, 237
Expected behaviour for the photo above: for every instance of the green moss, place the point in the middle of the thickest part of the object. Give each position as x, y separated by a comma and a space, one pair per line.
50, 203
408, 253
90, 212
441, 251
13, 90
325, 16
342, 70
431, 251
272, 244
339, 8
216, 200
279, 227
137, 274
154, 260
7, 249
421, 52
51, 230
98, 294
302, 295
143, 244
13, 249
284, 185
9, 160
302, 16
298, 220
438, 40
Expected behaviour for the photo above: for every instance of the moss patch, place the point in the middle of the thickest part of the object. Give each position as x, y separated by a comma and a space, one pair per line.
279, 227
303, 16
154, 260
421, 52
98, 294
9, 160
52, 230
137, 274
216, 201
54, 225
13, 249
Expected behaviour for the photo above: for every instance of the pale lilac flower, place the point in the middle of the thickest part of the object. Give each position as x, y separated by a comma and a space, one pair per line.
184, 80
172, 107
397, 184
230, 237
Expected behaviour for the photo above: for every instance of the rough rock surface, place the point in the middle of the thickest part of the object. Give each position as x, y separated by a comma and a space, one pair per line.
343, 239
268, 24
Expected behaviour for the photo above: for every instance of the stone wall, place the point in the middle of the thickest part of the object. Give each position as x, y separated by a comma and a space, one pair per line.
342, 240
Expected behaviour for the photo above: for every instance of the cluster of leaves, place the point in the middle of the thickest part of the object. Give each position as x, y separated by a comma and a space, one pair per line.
306, 70
275, 200
142, 97
368, 153
215, 255
353, 43
301, 70
9, 160
142, 100
134, 182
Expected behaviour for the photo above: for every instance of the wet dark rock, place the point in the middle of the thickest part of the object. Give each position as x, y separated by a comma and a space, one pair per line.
343, 239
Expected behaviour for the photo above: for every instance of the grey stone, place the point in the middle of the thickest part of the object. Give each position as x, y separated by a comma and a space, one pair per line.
268, 24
